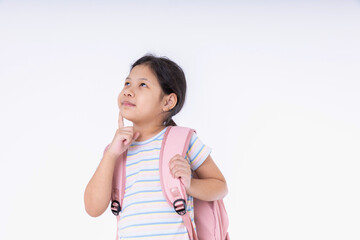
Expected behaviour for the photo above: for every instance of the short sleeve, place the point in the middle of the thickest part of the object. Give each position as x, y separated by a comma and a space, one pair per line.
197, 152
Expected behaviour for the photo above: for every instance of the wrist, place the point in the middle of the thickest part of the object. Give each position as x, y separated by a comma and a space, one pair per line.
190, 189
110, 155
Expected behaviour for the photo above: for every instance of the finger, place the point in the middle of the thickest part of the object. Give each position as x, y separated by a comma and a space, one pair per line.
129, 129
126, 137
181, 173
122, 132
175, 158
136, 135
128, 140
121, 120
178, 160
180, 168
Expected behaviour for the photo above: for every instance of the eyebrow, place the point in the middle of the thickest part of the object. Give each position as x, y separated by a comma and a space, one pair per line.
144, 79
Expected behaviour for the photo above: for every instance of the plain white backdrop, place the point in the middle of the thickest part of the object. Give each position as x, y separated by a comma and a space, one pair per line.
273, 88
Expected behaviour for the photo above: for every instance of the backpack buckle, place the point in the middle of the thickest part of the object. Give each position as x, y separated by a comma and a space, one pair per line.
115, 207
180, 206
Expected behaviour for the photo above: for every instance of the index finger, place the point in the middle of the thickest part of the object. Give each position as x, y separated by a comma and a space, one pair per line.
121, 120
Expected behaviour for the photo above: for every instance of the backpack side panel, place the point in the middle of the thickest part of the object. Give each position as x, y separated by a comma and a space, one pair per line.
211, 219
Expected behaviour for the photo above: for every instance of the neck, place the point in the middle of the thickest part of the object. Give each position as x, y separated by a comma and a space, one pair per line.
147, 131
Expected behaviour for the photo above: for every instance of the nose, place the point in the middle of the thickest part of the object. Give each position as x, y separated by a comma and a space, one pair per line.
128, 92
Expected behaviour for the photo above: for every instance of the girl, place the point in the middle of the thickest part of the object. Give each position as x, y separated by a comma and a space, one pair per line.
153, 93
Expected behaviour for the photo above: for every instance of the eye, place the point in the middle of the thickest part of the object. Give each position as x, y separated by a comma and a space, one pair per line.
127, 84
143, 85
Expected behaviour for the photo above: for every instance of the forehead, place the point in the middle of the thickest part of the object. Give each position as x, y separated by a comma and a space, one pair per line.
142, 72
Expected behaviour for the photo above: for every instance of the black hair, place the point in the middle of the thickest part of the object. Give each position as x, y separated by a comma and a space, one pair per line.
171, 79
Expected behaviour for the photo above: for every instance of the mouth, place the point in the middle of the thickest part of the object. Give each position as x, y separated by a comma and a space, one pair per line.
128, 104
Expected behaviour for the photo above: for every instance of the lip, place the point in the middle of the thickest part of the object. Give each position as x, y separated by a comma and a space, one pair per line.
128, 104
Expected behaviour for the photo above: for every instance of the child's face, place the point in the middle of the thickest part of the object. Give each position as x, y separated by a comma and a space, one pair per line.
140, 100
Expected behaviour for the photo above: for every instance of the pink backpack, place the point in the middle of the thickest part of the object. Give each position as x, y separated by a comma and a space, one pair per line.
210, 217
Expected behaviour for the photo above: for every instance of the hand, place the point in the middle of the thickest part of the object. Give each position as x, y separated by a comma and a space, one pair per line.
124, 136
180, 168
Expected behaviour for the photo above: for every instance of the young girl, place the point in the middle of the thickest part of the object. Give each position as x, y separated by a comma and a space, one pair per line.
153, 93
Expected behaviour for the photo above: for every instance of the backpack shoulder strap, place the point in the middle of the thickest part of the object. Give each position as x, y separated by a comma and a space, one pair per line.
176, 141
118, 184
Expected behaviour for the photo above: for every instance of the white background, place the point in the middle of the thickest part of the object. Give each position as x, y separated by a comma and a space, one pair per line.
273, 89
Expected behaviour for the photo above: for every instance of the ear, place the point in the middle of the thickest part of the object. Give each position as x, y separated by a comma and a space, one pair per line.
169, 102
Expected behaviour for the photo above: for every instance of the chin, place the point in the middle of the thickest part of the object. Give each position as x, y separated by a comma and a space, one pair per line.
126, 115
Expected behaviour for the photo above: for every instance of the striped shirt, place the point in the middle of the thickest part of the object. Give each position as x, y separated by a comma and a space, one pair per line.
145, 213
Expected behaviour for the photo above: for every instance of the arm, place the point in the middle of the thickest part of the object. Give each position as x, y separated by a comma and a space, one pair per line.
98, 191
209, 185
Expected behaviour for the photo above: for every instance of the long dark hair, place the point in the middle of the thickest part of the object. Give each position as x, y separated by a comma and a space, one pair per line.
171, 79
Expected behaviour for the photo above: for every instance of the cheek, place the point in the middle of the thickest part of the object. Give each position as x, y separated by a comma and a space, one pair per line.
151, 105
119, 99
